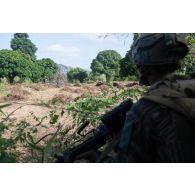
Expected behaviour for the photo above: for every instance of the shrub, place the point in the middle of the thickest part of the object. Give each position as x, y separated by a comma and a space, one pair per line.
27, 81
3, 90
77, 74
16, 79
101, 77
77, 83
4, 80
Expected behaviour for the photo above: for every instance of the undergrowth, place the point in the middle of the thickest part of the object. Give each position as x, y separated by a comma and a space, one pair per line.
16, 134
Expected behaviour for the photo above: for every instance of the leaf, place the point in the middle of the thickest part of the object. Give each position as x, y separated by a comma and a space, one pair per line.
3, 106
47, 149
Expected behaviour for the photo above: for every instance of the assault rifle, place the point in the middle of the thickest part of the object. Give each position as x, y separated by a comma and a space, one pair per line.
112, 123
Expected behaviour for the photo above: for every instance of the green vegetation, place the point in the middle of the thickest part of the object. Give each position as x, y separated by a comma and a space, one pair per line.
22, 43
189, 62
91, 108
77, 74
16, 63
24, 133
48, 68
20, 64
107, 62
127, 67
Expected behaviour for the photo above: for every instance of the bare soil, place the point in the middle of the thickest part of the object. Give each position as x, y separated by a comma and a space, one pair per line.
36, 98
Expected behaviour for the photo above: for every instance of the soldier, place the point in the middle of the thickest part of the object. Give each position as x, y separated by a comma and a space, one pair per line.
160, 127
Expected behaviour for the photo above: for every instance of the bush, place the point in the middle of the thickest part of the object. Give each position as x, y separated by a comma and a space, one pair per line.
101, 77
77, 74
4, 80
77, 83
3, 90
16, 79
27, 81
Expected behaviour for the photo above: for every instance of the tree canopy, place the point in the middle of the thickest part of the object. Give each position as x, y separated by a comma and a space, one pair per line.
22, 42
47, 68
16, 63
77, 74
107, 62
127, 67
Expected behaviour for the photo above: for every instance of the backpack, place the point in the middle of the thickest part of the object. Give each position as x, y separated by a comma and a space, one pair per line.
175, 93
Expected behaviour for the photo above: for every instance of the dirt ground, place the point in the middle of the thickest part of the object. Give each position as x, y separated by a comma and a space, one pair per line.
36, 99
33, 97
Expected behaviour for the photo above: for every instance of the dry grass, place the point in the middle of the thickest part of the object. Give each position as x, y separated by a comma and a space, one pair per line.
16, 93
132, 84
103, 88
61, 99
37, 86
68, 89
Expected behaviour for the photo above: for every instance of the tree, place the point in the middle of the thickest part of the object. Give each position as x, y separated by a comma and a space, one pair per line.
127, 67
22, 42
107, 62
48, 68
77, 74
189, 61
16, 63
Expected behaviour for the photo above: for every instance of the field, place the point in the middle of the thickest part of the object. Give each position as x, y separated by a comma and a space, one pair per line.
31, 111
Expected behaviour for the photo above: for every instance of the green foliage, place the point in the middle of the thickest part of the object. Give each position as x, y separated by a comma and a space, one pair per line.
16, 63
189, 61
22, 42
4, 80
107, 62
27, 81
3, 90
101, 77
16, 79
127, 67
24, 134
48, 68
96, 77
6, 144
91, 108
77, 74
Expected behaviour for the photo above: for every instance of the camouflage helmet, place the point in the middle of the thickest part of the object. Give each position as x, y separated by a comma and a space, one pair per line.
156, 49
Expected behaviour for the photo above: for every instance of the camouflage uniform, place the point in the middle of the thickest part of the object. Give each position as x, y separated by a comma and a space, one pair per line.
160, 135
152, 132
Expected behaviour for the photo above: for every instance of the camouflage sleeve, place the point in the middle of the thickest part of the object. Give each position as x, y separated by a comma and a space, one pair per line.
159, 135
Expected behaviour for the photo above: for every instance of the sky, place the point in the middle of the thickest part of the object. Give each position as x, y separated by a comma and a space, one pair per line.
73, 49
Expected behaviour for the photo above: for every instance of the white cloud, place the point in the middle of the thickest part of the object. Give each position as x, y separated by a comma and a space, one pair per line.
65, 51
